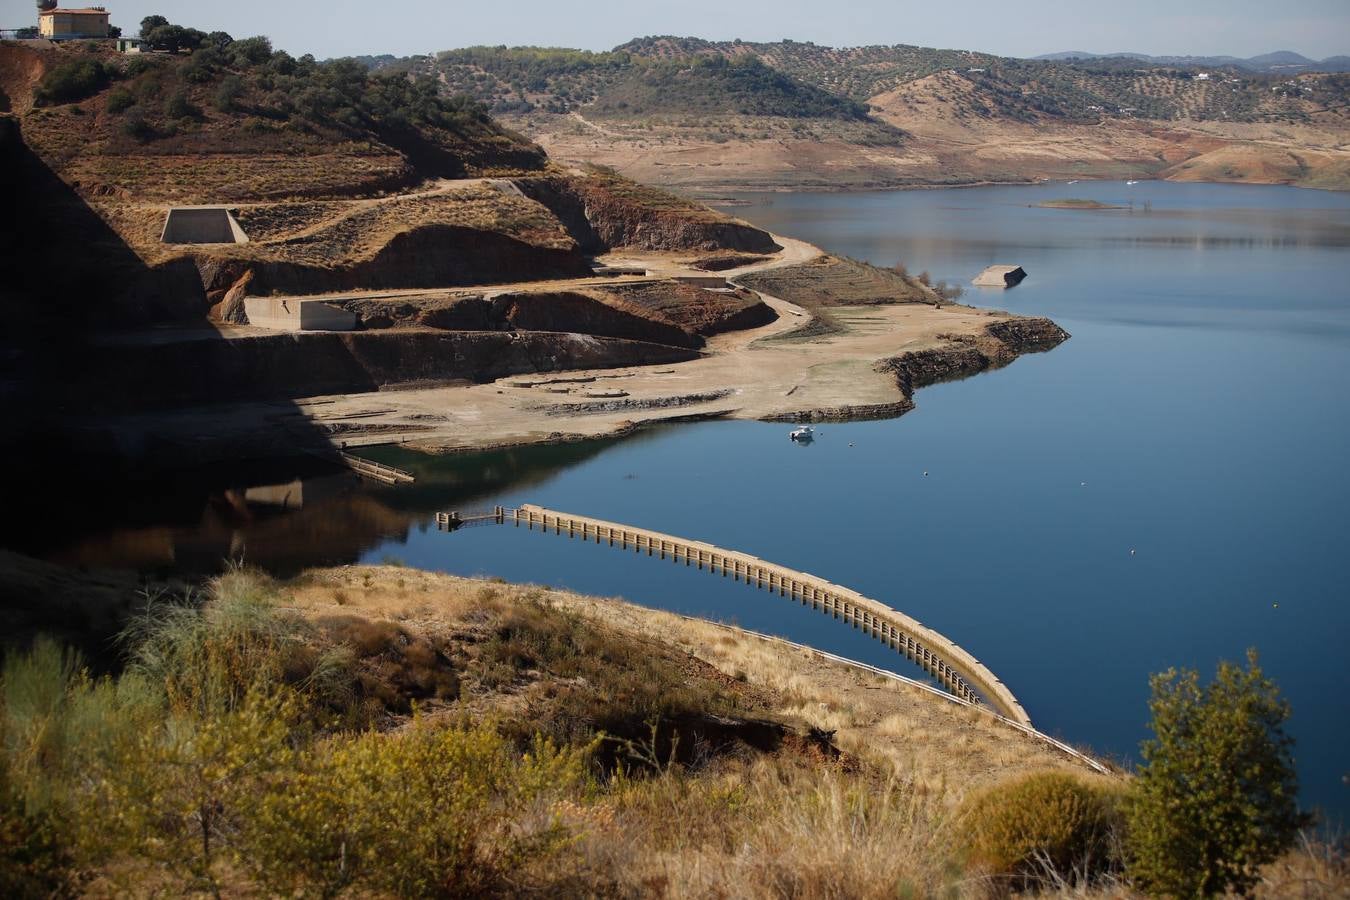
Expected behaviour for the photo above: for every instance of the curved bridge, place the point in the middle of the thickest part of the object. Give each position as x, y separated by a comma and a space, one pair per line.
953, 667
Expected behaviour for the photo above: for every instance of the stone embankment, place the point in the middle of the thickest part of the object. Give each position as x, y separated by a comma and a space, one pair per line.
961, 356
965, 355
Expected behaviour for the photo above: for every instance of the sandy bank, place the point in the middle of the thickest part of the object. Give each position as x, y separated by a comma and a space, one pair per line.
865, 370
866, 364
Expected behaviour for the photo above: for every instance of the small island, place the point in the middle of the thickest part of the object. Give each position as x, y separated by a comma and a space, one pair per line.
1074, 203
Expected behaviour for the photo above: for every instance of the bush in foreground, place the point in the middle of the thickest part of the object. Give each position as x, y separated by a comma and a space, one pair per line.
1217, 796
1047, 825
428, 812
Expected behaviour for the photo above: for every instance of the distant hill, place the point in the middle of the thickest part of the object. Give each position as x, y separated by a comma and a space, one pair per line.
627, 84
719, 115
668, 75
1277, 62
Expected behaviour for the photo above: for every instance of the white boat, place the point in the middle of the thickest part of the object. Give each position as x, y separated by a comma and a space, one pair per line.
804, 433
1131, 182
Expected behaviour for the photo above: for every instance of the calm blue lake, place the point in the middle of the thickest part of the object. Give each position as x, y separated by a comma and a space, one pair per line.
1198, 417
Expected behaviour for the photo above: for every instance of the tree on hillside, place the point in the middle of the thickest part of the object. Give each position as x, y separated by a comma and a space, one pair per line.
1217, 796
150, 23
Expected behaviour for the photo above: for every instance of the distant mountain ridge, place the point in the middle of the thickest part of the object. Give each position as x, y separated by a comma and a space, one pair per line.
724, 115
1277, 61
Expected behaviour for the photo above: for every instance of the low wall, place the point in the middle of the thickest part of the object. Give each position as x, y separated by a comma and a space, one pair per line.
954, 667
293, 314
705, 281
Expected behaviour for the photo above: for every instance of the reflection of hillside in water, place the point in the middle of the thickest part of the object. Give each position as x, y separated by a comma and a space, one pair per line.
317, 517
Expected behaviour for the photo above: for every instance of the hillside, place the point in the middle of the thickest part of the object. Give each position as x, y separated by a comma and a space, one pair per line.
383, 731
702, 116
1281, 61
338, 180
244, 123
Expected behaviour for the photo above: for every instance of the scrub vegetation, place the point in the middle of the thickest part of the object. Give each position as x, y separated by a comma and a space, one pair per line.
489, 740
233, 118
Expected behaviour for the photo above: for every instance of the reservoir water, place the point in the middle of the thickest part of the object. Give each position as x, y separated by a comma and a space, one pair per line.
1167, 488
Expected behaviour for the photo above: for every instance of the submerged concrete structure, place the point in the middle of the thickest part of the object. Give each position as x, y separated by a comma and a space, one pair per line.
1000, 277
296, 314
202, 225
959, 672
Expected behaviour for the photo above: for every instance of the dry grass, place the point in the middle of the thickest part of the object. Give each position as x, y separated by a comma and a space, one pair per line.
664, 815
832, 281
939, 749
345, 231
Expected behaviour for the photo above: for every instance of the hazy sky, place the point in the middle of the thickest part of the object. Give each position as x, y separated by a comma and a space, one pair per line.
1317, 28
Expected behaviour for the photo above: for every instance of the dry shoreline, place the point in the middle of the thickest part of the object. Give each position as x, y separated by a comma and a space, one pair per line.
867, 367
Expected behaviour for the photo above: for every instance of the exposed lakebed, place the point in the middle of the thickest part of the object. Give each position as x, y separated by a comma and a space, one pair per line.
1197, 418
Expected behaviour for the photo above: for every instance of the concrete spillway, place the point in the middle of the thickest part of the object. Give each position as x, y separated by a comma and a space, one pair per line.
952, 666
202, 225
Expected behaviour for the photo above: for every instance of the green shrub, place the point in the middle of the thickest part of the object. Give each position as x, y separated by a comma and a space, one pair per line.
1216, 798
180, 106
1042, 825
176, 793
429, 812
33, 860
73, 81
150, 85
136, 126
120, 100
201, 67
228, 92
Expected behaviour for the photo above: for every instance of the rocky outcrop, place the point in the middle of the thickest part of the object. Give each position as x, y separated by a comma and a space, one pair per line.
305, 364
604, 212
1028, 335
847, 413
965, 355
226, 284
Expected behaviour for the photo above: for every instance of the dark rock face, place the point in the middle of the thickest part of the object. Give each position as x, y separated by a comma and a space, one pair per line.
282, 366
600, 218
1029, 335
966, 355
924, 367
563, 311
